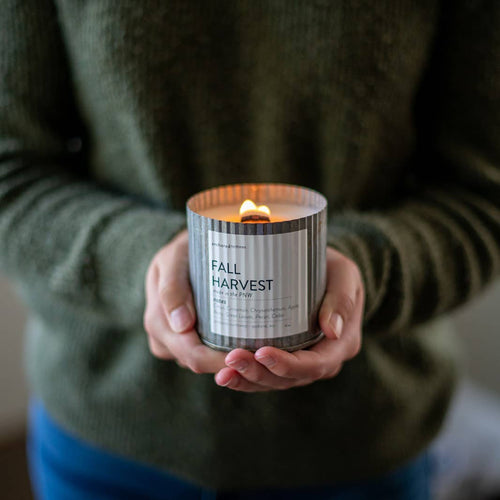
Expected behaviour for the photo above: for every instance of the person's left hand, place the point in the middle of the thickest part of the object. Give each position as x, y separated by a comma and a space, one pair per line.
340, 319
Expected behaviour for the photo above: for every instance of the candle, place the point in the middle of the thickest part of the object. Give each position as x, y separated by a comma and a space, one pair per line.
258, 273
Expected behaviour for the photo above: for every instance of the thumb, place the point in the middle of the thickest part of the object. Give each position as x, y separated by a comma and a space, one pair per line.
174, 288
342, 294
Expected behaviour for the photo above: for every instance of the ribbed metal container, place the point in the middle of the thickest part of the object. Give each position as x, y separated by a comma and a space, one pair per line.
257, 284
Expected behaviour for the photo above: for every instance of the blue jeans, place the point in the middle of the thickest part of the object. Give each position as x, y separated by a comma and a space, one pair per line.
62, 467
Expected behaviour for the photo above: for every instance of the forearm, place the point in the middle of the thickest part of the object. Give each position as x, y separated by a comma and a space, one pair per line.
83, 244
422, 259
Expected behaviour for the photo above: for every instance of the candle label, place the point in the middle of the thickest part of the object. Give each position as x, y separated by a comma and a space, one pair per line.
258, 284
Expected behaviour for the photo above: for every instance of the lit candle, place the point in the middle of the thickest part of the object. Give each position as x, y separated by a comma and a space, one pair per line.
257, 255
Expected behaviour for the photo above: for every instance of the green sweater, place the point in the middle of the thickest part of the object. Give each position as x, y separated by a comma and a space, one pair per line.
113, 113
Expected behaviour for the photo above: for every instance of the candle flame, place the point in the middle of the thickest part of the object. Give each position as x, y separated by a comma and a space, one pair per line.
250, 206
250, 212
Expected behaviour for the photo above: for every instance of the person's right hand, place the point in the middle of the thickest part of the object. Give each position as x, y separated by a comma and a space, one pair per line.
170, 315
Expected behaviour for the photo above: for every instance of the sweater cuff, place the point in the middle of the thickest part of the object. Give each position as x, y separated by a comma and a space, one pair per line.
358, 238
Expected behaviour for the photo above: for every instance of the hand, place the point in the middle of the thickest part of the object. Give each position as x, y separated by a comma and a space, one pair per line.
170, 316
340, 318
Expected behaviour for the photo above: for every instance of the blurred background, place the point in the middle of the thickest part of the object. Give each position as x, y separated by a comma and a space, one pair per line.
467, 455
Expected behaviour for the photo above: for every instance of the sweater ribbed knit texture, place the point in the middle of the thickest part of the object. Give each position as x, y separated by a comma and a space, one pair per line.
113, 113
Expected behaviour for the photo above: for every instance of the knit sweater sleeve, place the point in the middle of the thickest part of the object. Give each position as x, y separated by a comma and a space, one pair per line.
440, 244
62, 235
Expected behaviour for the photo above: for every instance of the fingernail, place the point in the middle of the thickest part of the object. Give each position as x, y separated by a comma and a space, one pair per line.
225, 384
266, 360
337, 323
239, 365
180, 318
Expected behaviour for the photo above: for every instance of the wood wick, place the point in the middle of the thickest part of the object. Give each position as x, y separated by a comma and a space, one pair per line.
255, 217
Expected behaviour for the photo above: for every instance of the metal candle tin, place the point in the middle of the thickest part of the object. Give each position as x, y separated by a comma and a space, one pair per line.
258, 284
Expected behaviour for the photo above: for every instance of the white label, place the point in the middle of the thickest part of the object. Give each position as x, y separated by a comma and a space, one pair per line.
258, 284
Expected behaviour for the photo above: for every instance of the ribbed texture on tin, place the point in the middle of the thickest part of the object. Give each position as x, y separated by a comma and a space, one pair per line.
314, 255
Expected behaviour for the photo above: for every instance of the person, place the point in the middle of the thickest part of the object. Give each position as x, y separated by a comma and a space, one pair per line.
113, 114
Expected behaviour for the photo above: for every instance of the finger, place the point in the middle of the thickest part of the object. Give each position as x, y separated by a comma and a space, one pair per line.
350, 343
189, 351
186, 349
322, 362
344, 289
351, 340
244, 363
233, 380
173, 284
